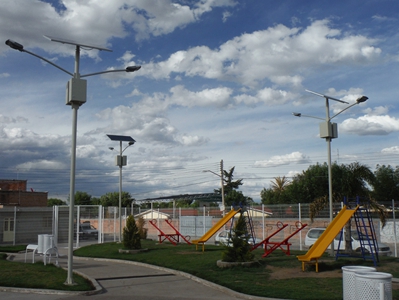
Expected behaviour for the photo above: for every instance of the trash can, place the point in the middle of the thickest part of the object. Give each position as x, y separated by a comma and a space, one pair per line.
348, 280
44, 242
373, 286
40, 242
47, 242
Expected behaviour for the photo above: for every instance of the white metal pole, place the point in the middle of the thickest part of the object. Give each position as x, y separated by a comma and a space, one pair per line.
222, 187
300, 222
120, 192
263, 222
14, 225
330, 195
394, 228
77, 225
69, 281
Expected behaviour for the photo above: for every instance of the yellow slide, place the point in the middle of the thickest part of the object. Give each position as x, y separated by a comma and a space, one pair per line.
322, 243
215, 228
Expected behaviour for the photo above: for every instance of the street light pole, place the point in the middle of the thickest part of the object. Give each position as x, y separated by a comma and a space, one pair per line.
75, 97
329, 131
121, 161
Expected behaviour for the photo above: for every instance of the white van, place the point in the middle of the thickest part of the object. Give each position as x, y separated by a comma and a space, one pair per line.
314, 233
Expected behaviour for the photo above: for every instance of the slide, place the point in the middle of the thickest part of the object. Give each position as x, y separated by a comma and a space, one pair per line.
215, 228
327, 237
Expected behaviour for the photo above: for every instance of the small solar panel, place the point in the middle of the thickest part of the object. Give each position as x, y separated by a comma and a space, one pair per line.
123, 138
70, 42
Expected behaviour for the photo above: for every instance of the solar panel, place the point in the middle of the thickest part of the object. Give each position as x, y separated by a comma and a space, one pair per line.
70, 42
123, 138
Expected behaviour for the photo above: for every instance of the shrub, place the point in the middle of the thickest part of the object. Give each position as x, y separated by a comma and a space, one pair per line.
142, 231
131, 235
238, 249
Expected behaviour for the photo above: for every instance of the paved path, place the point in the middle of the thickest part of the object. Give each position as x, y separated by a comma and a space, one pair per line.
128, 280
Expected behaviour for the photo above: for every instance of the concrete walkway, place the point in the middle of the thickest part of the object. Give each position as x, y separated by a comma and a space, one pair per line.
115, 279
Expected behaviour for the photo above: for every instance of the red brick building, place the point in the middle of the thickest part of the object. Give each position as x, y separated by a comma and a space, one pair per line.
14, 193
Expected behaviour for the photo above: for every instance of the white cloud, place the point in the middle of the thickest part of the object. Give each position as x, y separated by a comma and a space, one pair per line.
371, 125
279, 54
4, 75
278, 160
97, 21
218, 97
376, 111
390, 150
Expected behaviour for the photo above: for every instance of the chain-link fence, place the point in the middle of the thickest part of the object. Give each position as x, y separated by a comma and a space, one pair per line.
23, 225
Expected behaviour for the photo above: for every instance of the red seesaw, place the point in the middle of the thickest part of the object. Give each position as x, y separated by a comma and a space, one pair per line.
174, 238
271, 246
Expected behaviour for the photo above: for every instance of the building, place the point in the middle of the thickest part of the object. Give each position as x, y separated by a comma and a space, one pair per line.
13, 193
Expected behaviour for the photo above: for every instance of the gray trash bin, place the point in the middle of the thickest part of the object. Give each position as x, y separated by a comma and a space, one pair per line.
373, 286
348, 280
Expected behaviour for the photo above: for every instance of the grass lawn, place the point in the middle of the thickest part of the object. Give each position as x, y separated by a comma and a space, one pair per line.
256, 280
38, 276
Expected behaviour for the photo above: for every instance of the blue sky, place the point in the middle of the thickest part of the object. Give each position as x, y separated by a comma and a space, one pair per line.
219, 80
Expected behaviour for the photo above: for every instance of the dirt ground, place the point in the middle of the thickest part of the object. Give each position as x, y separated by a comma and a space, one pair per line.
284, 273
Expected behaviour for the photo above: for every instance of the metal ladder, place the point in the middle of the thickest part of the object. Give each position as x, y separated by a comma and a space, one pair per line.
365, 230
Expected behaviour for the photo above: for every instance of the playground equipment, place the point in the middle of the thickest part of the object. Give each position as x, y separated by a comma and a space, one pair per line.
320, 246
174, 238
215, 228
284, 245
365, 231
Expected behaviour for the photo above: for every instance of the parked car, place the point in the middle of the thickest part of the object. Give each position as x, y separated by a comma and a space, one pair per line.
314, 233
87, 231
223, 237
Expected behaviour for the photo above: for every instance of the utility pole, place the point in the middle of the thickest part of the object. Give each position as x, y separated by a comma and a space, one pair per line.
222, 186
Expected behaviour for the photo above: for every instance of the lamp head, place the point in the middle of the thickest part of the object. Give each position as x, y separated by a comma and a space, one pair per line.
296, 114
14, 45
132, 68
361, 99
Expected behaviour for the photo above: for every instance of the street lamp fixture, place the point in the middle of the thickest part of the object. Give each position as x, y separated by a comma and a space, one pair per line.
121, 161
76, 94
329, 131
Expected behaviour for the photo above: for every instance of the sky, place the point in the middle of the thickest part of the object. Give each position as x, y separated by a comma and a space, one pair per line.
219, 80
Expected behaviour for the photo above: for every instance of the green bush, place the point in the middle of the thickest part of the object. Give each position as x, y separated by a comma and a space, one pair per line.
238, 249
131, 234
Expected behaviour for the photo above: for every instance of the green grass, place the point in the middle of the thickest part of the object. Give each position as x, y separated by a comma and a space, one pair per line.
257, 280
38, 276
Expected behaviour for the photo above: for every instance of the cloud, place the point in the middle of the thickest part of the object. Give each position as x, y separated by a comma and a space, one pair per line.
266, 96
97, 21
376, 111
216, 97
370, 125
278, 160
279, 54
390, 150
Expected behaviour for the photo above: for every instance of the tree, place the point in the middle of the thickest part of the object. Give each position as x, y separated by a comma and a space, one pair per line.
131, 234
238, 250
230, 184
386, 184
237, 198
55, 201
112, 199
275, 194
82, 198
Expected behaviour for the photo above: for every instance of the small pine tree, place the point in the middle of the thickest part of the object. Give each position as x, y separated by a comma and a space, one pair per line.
131, 235
238, 250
